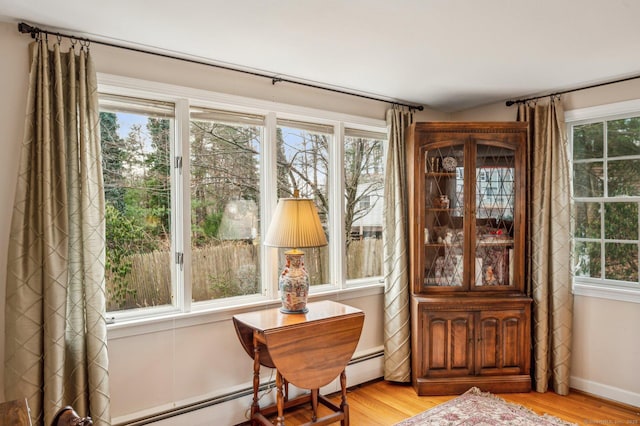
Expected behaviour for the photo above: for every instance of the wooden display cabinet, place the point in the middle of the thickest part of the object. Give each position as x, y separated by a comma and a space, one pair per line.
470, 315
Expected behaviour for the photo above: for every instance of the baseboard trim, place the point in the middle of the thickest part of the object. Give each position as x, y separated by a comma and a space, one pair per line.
361, 369
610, 393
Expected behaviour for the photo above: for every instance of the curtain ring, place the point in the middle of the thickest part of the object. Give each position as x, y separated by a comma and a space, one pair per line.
73, 43
59, 38
84, 44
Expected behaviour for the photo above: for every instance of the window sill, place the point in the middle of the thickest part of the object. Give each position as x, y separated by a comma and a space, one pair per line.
174, 319
606, 292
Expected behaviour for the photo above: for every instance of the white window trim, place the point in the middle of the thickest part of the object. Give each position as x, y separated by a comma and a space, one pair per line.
156, 323
132, 86
184, 313
602, 291
594, 287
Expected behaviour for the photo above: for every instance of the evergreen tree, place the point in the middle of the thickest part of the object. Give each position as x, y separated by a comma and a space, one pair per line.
158, 179
113, 156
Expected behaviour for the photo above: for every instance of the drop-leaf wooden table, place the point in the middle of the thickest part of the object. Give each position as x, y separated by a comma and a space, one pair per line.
308, 350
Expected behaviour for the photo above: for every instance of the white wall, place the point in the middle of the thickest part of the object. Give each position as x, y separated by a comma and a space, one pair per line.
606, 342
13, 89
175, 363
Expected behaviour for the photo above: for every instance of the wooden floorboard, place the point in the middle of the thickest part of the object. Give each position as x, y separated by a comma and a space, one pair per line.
382, 403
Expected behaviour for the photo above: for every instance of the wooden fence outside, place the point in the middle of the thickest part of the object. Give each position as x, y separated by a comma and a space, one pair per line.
228, 269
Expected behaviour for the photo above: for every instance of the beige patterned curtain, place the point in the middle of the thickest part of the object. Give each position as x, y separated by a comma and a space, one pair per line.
549, 246
56, 351
397, 341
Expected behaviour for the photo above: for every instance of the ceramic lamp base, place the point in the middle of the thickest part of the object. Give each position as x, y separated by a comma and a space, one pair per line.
294, 284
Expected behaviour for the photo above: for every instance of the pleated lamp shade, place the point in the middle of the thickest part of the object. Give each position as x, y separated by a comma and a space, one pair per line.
295, 224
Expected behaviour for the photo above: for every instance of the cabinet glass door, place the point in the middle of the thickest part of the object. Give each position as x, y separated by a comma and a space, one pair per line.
444, 216
494, 216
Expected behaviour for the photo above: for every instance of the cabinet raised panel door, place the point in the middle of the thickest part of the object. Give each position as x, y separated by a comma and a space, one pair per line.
448, 348
498, 348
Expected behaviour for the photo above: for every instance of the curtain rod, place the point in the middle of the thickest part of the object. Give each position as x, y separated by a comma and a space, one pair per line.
34, 31
521, 101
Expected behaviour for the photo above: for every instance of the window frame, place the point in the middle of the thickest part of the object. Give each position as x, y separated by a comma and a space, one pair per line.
184, 98
588, 286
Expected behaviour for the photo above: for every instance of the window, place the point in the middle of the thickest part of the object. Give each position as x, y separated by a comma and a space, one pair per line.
606, 191
303, 165
363, 200
137, 136
191, 183
225, 197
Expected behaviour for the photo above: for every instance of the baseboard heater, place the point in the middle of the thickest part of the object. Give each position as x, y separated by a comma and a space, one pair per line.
209, 402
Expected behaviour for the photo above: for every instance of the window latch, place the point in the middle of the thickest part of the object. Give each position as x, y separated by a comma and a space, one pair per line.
180, 259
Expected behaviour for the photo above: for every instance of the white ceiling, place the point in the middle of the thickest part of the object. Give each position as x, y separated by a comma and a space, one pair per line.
449, 55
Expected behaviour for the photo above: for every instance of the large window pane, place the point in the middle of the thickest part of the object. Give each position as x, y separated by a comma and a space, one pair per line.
364, 185
136, 137
225, 199
303, 158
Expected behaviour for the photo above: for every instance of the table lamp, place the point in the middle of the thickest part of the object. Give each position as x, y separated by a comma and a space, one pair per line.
295, 225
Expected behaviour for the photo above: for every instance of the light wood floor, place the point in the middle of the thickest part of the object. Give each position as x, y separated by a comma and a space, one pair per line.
382, 403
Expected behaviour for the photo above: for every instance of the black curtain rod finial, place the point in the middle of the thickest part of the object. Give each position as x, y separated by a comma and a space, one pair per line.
26, 28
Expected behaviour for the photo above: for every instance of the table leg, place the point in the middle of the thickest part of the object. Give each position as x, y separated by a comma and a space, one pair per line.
286, 389
255, 406
314, 404
344, 406
280, 400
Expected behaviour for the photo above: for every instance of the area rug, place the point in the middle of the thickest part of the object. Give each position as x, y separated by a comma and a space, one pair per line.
478, 408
